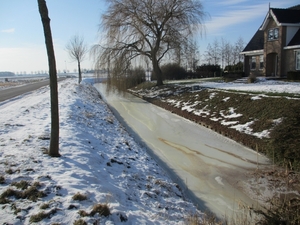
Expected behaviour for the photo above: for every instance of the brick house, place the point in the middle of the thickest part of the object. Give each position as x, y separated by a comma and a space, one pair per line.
274, 49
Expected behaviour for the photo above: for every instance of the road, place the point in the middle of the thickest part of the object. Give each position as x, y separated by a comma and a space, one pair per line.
206, 165
16, 91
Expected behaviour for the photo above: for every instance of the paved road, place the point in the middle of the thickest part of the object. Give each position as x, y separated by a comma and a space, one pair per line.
16, 91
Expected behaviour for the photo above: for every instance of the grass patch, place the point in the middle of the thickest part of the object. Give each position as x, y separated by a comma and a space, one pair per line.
4, 200
2, 180
80, 222
9, 171
45, 206
205, 219
31, 193
281, 212
8, 193
101, 209
42, 215
15, 209
83, 213
23, 184
193, 219
283, 207
38, 217
79, 197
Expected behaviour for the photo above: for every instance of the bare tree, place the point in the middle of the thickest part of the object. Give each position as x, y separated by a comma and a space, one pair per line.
190, 55
54, 139
223, 50
213, 53
216, 52
228, 50
239, 47
208, 56
77, 50
153, 29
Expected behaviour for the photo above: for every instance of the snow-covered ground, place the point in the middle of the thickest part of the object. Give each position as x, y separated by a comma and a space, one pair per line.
262, 85
258, 90
100, 160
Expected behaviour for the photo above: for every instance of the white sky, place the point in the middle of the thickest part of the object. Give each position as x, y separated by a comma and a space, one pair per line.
22, 45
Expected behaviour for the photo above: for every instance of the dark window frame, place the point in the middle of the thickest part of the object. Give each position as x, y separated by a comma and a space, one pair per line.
253, 63
297, 60
273, 34
261, 62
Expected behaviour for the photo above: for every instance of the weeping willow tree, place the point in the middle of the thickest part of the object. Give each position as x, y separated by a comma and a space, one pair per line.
144, 29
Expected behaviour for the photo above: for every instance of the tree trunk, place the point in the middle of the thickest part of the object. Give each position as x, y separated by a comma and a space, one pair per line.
79, 73
54, 139
157, 72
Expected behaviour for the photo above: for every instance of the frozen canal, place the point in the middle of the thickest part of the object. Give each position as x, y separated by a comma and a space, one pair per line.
205, 164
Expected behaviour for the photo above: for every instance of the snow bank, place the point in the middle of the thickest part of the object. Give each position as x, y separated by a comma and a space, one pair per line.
100, 160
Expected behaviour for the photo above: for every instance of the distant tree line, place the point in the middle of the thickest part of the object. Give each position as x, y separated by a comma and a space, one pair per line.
221, 58
222, 52
6, 74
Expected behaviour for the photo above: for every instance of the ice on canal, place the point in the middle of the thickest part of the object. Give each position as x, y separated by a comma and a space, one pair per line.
207, 165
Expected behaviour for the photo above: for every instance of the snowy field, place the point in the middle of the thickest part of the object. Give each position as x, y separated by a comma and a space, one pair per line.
100, 161
262, 85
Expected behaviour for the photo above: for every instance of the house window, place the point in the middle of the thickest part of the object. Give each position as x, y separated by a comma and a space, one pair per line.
261, 62
297, 60
273, 34
253, 63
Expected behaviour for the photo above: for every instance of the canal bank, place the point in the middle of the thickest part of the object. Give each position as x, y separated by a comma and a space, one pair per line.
208, 166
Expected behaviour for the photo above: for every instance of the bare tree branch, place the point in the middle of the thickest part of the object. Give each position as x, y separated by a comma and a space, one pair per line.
146, 28
77, 50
